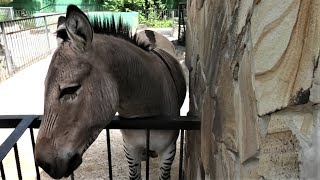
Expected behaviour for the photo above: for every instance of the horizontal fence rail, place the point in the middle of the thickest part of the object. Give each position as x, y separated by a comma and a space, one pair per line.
21, 123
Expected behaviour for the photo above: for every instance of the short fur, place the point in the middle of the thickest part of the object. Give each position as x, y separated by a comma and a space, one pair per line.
94, 75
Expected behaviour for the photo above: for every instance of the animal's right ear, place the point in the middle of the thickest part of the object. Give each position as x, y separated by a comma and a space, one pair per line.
78, 28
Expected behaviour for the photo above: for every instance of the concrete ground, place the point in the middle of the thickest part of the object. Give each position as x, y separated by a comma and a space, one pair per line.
23, 94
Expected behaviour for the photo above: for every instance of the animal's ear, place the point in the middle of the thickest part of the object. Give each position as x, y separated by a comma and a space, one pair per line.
61, 21
61, 30
78, 28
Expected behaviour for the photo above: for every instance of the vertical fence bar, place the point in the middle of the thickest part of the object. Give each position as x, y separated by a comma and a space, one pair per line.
11, 38
109, 153
147, 153
11, 13
181, 155
47, 32
18, 47
16, 155
3, 176
25, 49
6, 48
33, 147
31, 39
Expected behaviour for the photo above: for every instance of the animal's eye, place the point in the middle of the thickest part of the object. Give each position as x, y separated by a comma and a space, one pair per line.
69, 93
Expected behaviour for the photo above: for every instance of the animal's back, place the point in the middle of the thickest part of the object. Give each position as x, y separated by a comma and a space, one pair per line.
156, 40
165, 50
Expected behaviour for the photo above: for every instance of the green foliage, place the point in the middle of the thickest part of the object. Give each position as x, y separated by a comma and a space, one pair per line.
114, 5
124, 5
4, 2
157, 23
3, 17
153, 11
29, 5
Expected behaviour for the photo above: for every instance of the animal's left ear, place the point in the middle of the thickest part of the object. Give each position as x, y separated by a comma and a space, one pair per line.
78, 28
61, 30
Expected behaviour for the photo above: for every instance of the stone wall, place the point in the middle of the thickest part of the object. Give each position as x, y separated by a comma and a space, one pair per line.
255, 84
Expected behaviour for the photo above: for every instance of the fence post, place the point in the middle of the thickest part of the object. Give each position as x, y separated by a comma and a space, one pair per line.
172, 14
11, 13
9, 61
47, 32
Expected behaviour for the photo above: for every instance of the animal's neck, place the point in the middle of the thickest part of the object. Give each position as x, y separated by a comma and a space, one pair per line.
140, 79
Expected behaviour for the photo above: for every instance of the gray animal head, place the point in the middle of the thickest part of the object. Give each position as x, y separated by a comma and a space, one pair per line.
80, 98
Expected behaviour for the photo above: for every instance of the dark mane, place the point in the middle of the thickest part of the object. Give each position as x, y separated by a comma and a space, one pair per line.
109, 26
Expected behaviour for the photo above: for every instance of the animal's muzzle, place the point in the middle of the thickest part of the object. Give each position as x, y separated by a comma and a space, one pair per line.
56, 164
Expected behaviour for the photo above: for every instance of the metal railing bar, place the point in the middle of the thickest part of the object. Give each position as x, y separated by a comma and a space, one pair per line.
14, 20
147, 153
181, 122
32, 28
27, 29
7, 52
3, 175
19, 44
52, 24
109, 153
159, 122
39, 39
27, 44
22, 122
23, 30
47, 32
33, 147
181, 154
16, 155
15, 136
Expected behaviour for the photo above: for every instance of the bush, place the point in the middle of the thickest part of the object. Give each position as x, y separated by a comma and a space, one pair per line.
154, 20
3, 17
157, 23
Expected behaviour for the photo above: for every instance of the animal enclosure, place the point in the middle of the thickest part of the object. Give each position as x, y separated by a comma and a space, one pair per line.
25, 41
24, 122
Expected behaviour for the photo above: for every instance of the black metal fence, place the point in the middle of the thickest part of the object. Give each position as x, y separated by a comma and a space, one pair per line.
25, 41
22, 123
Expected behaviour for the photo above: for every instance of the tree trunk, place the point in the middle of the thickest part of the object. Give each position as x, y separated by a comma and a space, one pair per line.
255, 84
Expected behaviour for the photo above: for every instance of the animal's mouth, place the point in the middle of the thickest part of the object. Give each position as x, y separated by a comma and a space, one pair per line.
74, 163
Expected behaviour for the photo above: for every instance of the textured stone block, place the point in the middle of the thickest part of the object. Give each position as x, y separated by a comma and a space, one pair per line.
279, 156
254, 82
283, 52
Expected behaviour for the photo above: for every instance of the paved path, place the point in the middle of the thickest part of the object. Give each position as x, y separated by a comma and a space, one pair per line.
20, 95
23, 93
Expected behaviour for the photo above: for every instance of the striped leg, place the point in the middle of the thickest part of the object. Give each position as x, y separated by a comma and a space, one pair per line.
133, 156
166, 160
